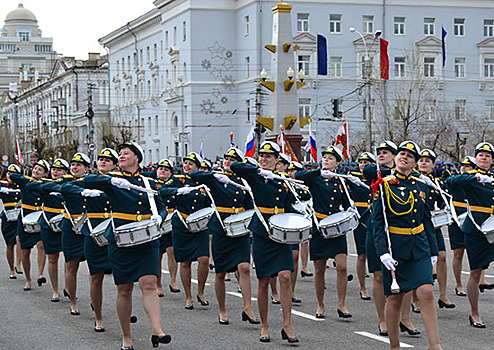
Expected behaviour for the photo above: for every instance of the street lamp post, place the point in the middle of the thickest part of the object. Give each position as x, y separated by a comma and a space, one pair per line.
367, 70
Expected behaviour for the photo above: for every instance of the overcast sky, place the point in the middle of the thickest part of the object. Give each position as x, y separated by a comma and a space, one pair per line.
76, 25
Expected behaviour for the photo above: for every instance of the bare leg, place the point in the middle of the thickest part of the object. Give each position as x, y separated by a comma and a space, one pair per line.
26, 264
185, 276
341, 280
211, 260
202, 275
96, 293
172, 267
71, 268
18, 254
457, 265
405, 310
53, 272
428, 312
124, 310
262, 302
393, 308
304, 256
245, 286
151, 303
482, 278
319, 282
442, 276
379, 299
286, 301
293, 276
159, 285
9, 252
41, 258
219, 287
473, 294
361, 269
274, 289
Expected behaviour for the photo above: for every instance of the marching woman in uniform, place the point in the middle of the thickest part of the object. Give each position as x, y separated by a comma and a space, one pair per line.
328, 195
271, 258
10, 197
133, 263
52, 206
190, 246
230, 253
434, 201
479, 188
30, 203
405, 242
456, 235
163, 173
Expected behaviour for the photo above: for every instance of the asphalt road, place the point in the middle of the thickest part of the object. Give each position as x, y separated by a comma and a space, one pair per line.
31, 321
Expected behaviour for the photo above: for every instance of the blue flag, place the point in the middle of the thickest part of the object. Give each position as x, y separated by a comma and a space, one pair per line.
322, 55
444, 33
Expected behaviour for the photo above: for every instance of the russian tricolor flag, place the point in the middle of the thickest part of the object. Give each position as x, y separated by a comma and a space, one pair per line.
311, 145
250, 143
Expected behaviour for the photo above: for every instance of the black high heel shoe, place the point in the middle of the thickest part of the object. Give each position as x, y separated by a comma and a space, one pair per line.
41, 280
224, 321
75, 312
404, 328
133, 319
381, 332
483, 287
306, 274
476, 324
275, 301
19, 272
285, 336
415, 309
173, 290
163, 339
460, 294
246, 317
127, 347
202, 302
364, 297
342, 314
266, 339
98, 329
445, 304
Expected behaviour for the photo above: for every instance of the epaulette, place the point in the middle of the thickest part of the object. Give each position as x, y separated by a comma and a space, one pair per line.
474, 171
356, 173
67, 176
389, 178
116, 173
169, 182
178, 176
418, 179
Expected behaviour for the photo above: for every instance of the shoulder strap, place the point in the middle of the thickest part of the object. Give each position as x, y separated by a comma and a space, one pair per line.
152, 202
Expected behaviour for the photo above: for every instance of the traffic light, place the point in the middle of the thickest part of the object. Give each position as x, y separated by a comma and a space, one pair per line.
336, 108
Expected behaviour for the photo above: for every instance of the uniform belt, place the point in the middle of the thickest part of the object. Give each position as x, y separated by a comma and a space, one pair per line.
275, 210
406, 230
170, 210
54, 210
74, 216
131, 217
30, 207
185, 216
460, 204
362, 204
479, 209
227, 210
98, 215
321, 215
10, 204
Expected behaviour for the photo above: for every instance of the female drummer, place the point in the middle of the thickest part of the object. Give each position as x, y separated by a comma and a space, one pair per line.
52, 206
10, 200
426, 165
405, 223
30, 204
271, 258
163, 173
190, 246
328, 195
133, 263
230, 254
479, 187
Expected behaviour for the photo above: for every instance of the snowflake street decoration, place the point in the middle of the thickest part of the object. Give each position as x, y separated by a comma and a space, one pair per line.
207, 106
216, 92
224, 99
216, 50
229, 55
228, 82
206, 64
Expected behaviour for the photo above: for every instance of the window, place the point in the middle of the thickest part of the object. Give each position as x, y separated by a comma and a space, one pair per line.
368, 24
7, 47
155, 52
302, 22
247, 108
149, 127
174, 36
161, 49
399, 67
459, 26
429, 26
304, 107
40, 48
399, 26
184, 31
118, 66
148, 54
489, 109
335, 69
430, 110
128, 63
141, 57
166, 40
488, 67
488, 27
123, 64
460, 67
460, 109
135, 59
429, 65
335, 24
24, 36
247, 67
303, 63
247, 25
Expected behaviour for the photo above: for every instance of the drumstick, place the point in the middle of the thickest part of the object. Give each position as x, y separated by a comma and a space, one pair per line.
143, 189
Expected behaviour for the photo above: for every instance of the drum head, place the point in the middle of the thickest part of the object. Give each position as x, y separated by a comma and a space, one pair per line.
204, 212
134, 225
336, 217
34, 216
239, 216
57, 217
102, 225
291, 220
488, 225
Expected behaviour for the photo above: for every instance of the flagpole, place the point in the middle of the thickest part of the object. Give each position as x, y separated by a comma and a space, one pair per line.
348, 141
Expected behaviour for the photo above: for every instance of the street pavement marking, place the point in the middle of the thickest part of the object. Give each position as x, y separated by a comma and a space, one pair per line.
468, 273
380, 338
192, 280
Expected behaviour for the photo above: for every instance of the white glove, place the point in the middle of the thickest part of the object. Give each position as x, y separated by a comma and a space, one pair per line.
157, 218
222, 178
120, 183
54, 193
267, 174
388, 261
184, 190
484, 178
326, 174
355, 180
4, 190
433, 260
90, 193
427, 180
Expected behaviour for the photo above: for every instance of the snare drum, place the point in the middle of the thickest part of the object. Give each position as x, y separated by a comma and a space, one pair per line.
97, 233
290, 228
54, 223
30, 222
166, 226
488, 229
237, 225
338, 224
12, 214
198, 221
136, 233
441, 217
461, 218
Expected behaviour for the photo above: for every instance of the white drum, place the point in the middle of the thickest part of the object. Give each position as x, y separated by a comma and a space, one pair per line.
12, 214
237, 225
338, 224
97, 233
461, 218
198, 221
488, 229
290, 228
78, 231
54, 223
441, 217
166, 225
30, 222
136, 233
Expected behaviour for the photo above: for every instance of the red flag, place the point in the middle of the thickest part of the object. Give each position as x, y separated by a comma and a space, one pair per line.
342, 138
285, 145
384, 59
18, 152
